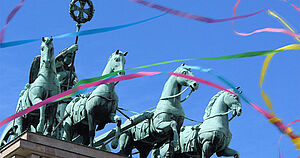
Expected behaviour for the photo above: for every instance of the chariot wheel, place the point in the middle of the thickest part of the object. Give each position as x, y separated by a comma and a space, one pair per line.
7, 134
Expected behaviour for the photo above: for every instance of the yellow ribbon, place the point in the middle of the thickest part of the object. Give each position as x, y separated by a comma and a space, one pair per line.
288, 131
283, 22
268, 59
296, 141
274, 120
264, 69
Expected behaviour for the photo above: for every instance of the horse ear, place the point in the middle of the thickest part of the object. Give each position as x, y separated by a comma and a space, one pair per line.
182, 64
51, 39
118, 51
43, 39
125, 53
237, 87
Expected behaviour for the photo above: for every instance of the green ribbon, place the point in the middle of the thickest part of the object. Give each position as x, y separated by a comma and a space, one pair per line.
234, 56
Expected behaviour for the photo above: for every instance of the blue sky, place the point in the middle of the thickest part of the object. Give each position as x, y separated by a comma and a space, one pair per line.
168, 38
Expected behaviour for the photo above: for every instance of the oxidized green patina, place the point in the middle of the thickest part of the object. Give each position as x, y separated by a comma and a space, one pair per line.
211, 136
97, 108
166, 122
66, 80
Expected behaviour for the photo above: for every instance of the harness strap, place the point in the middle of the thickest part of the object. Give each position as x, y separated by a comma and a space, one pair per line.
219, 114
174, 96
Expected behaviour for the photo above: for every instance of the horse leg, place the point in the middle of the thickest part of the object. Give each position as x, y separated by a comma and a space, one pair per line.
116, 119
165, 127
167, 150
91, 128
67, 129
50, 119
126, 144
35, 95
19, 123
61, 108
228, 152
207, 149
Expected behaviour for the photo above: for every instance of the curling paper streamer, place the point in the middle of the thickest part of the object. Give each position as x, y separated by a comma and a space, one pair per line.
80, 33
68, 92
297, 141
291, 33
267, 61
298, 9
271, 117
191, 16
96, 83
284, 23
234, 56
9, 17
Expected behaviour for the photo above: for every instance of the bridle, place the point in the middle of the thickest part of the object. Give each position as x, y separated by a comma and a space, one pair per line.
176, 95
221, 114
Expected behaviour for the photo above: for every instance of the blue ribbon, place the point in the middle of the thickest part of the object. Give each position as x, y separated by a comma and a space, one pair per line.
220, 78
80, 33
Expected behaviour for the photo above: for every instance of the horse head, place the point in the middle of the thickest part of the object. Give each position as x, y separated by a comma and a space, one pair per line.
233, 102
184, 81
117, 62
47, 53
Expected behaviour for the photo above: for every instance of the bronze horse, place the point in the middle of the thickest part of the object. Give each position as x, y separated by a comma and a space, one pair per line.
166, 122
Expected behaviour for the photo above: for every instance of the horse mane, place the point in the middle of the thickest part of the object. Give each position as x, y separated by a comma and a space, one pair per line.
211, 103
213, 100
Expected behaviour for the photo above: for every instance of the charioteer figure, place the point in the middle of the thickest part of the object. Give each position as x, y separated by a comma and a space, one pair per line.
67, 78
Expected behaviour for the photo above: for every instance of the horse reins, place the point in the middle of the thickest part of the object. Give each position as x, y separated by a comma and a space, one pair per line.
176, 95
221, 114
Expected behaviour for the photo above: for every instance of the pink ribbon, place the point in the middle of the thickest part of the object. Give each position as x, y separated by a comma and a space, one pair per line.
96, 83
201, 81
298, 9
262, 30
9, 17
68, 92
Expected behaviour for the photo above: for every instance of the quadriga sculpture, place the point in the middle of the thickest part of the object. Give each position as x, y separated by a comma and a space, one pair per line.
166, 121
83, 113
213, 135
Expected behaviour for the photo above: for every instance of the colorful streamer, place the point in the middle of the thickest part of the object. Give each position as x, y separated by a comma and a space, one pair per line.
80, 33
191, 16
73, 90
270, 116
266, 64
275, 121
262, 76
297, 141
234, 56
284, 23
278, 30
9, 17
96, 83
298, 9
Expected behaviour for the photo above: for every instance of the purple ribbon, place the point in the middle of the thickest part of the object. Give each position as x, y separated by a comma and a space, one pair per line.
191, 16
9, 17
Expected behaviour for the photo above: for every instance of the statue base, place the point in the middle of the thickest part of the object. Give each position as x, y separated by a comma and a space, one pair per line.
32, 145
